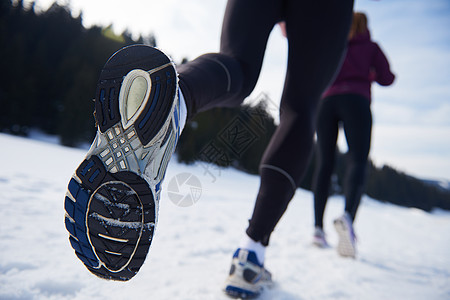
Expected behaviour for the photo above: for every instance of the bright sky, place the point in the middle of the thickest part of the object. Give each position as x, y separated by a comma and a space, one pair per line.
411, 118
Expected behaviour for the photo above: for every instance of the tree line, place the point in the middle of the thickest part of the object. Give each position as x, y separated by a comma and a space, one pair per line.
50, 64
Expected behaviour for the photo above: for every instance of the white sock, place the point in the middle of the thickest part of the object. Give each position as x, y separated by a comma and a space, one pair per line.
183, 111
249, 244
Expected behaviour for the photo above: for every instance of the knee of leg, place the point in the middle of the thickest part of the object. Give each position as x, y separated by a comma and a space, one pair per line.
231, 68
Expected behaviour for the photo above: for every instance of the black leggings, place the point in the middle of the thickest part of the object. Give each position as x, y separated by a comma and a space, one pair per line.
353, 112
317, 34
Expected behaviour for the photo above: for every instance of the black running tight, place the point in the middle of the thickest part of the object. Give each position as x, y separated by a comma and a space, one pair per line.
353, 112
317, 35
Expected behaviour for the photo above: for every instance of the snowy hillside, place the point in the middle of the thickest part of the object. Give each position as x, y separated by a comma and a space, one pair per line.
403, 253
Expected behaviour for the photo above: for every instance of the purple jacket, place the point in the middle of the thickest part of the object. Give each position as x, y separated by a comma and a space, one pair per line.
363, 64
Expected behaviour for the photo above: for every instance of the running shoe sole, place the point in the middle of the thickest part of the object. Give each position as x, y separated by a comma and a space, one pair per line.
346, 245
239, 293
113, 197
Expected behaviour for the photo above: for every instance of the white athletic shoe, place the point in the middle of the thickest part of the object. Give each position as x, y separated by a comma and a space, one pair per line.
113, 198
319, 239
247, 278
347, 239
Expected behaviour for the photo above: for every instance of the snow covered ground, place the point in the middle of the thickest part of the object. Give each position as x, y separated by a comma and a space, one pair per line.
403, 253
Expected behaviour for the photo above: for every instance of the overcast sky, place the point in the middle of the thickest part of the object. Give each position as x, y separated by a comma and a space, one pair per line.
411, 118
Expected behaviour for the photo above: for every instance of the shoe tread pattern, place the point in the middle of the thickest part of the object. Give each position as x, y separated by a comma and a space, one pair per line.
164, 86
113, 226
111, 215
346, 245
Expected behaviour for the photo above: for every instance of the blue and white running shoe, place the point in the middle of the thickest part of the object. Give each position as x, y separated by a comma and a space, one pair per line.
113, 198
347, 238
247, 278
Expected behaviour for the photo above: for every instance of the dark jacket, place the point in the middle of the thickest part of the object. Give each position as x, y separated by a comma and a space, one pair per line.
363, 64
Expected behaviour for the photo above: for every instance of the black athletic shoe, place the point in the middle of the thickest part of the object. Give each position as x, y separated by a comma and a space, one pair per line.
113, 197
